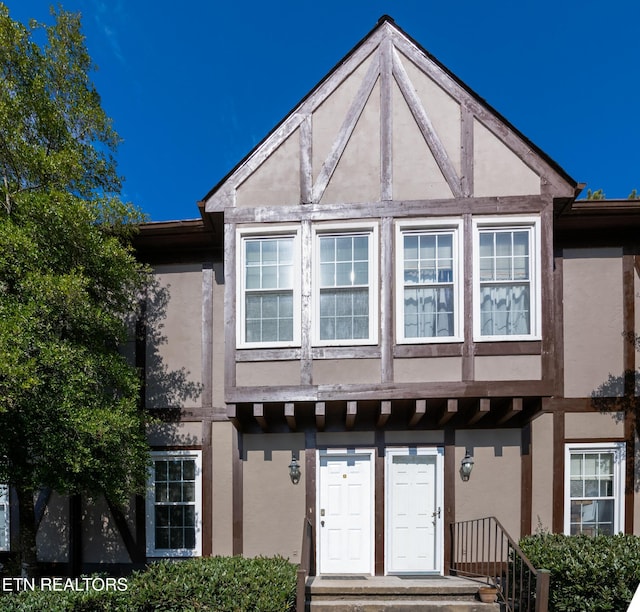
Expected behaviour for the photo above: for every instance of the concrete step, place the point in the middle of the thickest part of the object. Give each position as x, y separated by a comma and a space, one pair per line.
395, 605
394, 593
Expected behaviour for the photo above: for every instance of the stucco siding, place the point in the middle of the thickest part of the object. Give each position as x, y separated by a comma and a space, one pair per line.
593, 323
494, 488
428, 369
508, 367
274, 507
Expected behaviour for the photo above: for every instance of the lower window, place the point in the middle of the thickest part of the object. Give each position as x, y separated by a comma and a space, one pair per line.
4, 517
174, 525
594, 477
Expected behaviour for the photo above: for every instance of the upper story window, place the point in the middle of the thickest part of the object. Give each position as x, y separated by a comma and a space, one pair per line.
594, 477
174, 524
506, 279
428, 272
345, 286
269, 295
4, 518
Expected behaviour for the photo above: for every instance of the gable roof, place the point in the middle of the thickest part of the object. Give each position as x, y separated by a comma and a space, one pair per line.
384, 58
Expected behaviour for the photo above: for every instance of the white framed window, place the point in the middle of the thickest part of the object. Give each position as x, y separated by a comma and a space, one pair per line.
506, 273
429, 273
269, 288
174, 500
4, 518
594, 488
345, 285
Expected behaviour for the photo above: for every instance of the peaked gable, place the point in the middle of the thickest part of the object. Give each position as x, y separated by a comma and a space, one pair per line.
389, 123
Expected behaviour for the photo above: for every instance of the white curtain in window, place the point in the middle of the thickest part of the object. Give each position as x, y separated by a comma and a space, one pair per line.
505, 310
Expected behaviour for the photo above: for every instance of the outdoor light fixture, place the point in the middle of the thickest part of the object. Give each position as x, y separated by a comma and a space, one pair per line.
466, 466
294, 470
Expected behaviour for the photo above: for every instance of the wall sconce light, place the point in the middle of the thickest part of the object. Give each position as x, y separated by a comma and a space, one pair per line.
466, 466
294, 470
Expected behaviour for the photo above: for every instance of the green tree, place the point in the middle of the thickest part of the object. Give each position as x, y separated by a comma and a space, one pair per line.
70, 417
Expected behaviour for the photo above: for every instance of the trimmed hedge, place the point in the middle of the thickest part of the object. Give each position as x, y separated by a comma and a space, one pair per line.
220, 584
587, 573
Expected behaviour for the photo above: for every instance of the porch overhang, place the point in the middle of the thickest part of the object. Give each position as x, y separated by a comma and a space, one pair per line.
395, 414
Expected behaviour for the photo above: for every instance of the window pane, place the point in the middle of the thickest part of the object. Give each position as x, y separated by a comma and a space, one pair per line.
344, 249
486, 244
504, 310
503, 244
339, 310
521, 243
361, 248
410, 247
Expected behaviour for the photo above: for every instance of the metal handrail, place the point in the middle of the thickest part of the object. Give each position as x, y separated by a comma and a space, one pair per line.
482, 549
306, 565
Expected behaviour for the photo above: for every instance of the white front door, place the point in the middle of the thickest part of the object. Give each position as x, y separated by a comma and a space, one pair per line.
414, 511
345, 512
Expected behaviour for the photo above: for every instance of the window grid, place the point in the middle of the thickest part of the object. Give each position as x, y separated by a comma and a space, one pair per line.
175, 503
344, 287
428, 278
268, 285
4, 518
505, 282
592, 492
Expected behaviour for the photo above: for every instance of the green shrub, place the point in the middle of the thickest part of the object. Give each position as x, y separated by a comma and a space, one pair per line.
587, 573
220, 584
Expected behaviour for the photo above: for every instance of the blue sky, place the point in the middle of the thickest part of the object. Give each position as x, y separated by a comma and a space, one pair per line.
193, 86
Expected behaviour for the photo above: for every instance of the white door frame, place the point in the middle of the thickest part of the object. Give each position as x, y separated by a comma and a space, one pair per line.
346, 452
438, 453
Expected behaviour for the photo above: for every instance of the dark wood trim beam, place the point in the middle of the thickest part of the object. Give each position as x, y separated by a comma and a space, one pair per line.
514, 407
385, 413
290, 415
386, 300
258, 415
526, 481
386, 125
419, 410
238, 495
207, 335
352, 411
558, 471
481, 409
320, 410
310, 487
207, 493
306, 363
390, 391
306, 176
276, 354
449, 511
229, 305
232, 415
468, 361
449, 410
402, 351
444, 207
629, 358
379, 501
466, 150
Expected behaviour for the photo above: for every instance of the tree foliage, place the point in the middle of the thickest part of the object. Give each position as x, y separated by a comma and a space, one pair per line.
69, 283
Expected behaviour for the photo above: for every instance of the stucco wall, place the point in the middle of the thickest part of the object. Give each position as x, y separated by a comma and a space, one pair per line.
346, 371
494, 486
267, 373
510, 367
222, 456
274, 508
428, 369
542, 472
101, 540
174, 337
593, 322
53, 536
174, 434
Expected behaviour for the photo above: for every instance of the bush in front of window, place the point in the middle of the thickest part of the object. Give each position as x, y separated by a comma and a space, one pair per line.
587, 573
223, 584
